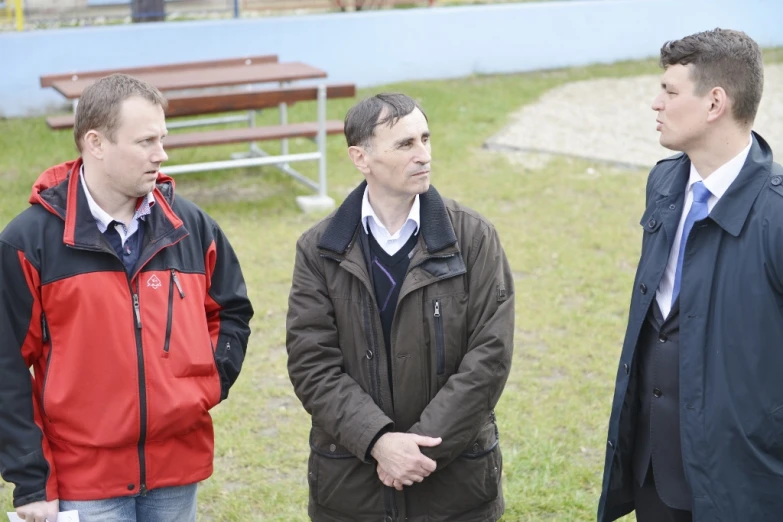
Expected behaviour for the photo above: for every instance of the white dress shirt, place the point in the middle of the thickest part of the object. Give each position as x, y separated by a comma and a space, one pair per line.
717, 183
102, 219
391, 243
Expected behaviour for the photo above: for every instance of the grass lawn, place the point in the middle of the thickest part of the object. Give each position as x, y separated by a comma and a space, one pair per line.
572, 238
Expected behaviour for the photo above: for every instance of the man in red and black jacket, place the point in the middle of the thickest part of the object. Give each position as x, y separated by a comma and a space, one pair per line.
129, 305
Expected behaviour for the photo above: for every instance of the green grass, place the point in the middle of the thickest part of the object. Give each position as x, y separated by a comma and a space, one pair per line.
572, 238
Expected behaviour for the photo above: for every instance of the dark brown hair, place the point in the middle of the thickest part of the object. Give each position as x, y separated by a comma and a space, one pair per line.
722, 58
362, 118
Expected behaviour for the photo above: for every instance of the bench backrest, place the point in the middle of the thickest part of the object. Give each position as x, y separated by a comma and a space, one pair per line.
49, 79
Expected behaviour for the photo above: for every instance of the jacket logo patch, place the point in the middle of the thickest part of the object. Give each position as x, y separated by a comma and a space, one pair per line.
154, 282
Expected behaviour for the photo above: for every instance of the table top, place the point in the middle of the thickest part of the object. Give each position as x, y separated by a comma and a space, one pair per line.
208, 77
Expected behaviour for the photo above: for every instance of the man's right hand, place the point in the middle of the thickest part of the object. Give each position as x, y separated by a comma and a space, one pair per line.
39, 511
399, 458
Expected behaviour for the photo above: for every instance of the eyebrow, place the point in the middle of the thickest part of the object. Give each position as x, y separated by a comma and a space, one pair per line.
153, 135
407, 139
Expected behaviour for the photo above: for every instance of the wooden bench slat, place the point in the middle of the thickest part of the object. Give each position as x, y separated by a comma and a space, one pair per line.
190, 105
207, 78
65, 121
195, 104
49, 79
271, 132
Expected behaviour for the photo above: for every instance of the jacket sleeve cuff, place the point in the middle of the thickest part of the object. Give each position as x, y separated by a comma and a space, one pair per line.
372, 433
38, 496
384, 430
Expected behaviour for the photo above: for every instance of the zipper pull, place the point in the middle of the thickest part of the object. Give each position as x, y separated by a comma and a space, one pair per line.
176, 282
44, 329
437, 308
137, 310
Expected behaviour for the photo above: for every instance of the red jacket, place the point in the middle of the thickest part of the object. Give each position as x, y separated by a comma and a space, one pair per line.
125, 366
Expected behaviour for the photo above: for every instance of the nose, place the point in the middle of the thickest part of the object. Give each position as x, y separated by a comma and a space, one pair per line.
160, 155
657, 104
424, 153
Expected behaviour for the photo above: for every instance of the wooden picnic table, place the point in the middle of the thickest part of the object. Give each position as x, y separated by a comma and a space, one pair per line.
247, 73
208, 77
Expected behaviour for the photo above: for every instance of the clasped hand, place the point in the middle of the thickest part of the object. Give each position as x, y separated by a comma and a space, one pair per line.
400, 461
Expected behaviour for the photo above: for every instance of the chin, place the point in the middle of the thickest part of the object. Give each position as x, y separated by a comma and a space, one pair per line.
670, 144
422, 186
145, 189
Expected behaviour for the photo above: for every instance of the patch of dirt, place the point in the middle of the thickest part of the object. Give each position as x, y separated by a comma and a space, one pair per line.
610, 120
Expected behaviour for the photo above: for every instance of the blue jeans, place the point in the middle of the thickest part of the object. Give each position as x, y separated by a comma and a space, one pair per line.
175, 504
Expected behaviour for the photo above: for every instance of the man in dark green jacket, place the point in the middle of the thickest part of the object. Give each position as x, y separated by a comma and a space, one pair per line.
400, 335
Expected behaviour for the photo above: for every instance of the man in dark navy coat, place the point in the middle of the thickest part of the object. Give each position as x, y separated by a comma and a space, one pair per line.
696, 430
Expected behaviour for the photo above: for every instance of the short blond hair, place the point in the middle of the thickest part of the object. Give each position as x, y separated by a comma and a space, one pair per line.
100, 104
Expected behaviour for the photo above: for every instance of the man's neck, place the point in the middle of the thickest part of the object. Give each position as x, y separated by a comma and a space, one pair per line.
116, 205
718, 150
391, 211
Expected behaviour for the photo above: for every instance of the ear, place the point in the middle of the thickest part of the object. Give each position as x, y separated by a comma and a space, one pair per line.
719, 104
93, 144
359, 156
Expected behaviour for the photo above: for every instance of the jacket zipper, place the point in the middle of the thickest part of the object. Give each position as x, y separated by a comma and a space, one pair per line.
140, 358
142, 391
440, 355
174, 282
46, 338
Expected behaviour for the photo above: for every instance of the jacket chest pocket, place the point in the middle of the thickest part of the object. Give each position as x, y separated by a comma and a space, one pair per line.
447, 320
651, 223
186, 343
655, 248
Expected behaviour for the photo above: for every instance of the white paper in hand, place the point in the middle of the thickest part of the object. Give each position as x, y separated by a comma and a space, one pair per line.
65, 516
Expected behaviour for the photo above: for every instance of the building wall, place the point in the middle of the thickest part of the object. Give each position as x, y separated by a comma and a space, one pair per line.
378, 47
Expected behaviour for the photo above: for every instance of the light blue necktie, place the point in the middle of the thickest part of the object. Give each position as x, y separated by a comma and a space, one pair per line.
697, 212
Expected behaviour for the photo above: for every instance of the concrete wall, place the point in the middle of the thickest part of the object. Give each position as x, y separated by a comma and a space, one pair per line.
372, 48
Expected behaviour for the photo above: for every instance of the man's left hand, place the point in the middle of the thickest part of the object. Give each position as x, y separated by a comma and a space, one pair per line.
388, 480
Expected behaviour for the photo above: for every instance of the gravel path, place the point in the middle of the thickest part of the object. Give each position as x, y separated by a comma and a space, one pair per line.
610, 120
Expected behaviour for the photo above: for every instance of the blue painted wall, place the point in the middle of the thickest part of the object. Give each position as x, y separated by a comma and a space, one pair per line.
372, 48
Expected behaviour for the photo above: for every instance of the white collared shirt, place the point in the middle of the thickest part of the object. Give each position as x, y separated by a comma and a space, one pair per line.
391, 243
717, 183
102, 219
